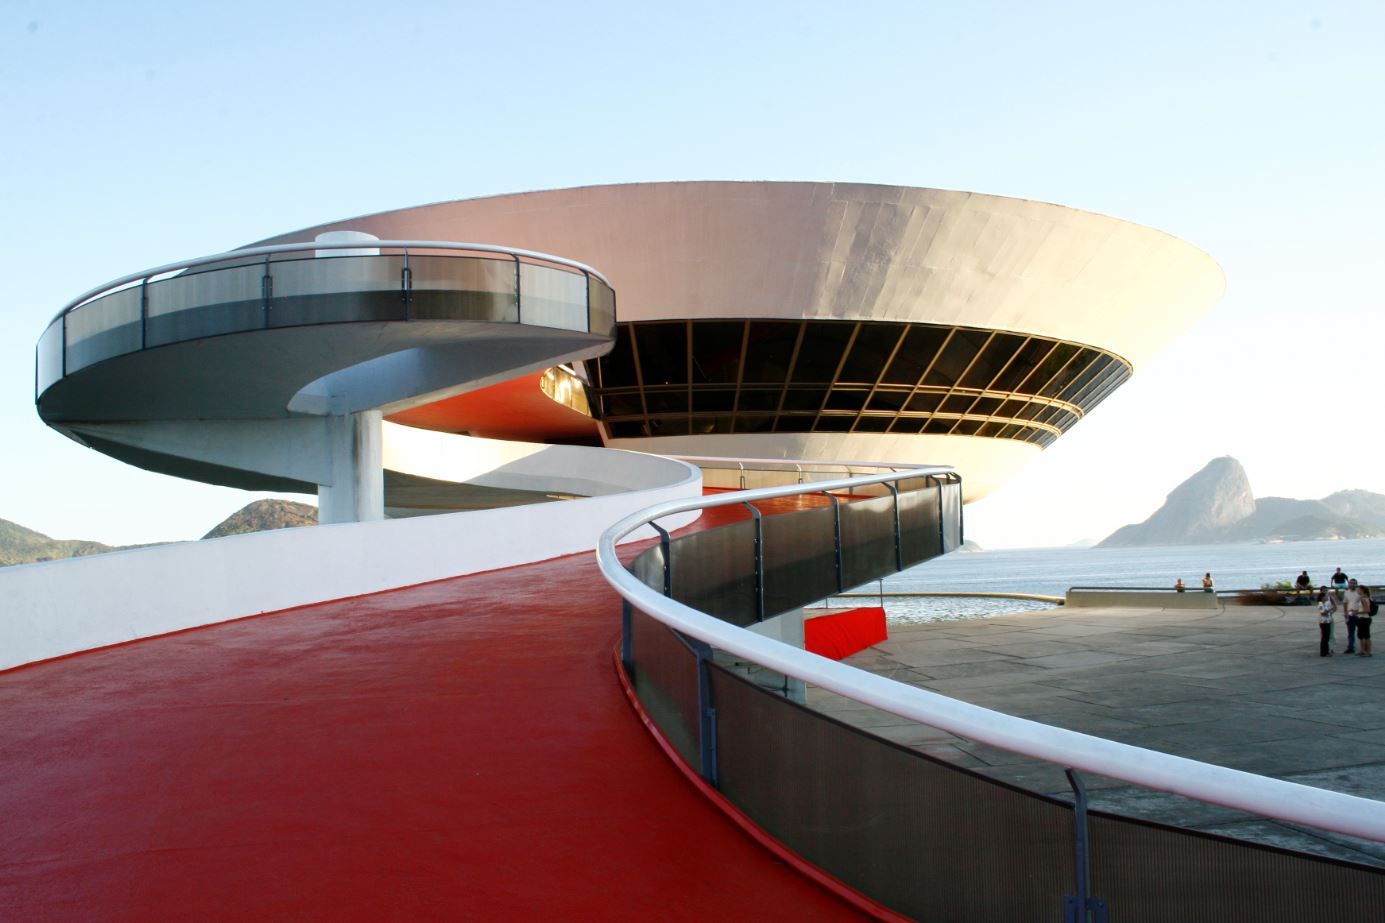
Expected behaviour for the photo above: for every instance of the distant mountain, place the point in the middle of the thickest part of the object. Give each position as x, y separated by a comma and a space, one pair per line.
1216, 505
19, 545
264, 515
1198, 510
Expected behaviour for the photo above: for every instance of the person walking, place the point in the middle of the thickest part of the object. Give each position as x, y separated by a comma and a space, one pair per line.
1326, 606
1369, 608
1351, 605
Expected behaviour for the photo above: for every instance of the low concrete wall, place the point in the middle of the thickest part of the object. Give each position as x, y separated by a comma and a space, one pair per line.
1143, 599
582, 470
61, 607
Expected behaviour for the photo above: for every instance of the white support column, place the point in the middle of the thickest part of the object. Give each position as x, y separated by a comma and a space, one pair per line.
357, 491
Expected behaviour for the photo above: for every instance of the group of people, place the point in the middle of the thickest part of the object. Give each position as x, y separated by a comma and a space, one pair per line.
1208, 585
1357, 607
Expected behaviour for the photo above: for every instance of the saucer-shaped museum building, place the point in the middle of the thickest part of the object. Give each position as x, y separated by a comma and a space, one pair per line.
839, 321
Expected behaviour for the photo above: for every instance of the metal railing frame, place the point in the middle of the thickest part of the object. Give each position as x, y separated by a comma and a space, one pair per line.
1268, 797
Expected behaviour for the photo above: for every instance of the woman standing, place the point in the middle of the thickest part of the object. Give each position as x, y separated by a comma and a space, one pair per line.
1363, 620
1326, 606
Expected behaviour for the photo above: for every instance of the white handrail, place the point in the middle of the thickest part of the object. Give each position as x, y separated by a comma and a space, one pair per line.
328, 245
1245, 791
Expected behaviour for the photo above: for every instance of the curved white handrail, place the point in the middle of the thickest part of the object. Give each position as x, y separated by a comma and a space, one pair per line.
1245, 791
328, 245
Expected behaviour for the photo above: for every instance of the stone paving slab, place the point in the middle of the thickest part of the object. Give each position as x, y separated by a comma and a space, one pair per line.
1242, 687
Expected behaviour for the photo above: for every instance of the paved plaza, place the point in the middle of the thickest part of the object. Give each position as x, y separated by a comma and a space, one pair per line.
1241, 686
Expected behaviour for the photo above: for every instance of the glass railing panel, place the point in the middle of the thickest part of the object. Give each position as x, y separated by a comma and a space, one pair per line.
926, 839
202, 304
868, 549
48, 357
603, 306
336, 289
800, 558
920, 528
714, 572
952, 515
648, 568
101, 329
551, 297
664, 673
463, 288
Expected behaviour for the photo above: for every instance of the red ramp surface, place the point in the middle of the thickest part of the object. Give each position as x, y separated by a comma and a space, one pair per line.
461, 750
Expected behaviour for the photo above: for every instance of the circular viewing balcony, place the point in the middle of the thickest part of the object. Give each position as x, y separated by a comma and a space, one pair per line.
160, 367
297, 285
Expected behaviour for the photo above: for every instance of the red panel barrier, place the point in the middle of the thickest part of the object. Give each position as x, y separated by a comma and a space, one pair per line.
842, 634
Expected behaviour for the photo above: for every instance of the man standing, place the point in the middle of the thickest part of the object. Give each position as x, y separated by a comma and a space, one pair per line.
1352, 606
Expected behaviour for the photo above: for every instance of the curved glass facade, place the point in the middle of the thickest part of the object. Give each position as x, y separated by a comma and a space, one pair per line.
689, 377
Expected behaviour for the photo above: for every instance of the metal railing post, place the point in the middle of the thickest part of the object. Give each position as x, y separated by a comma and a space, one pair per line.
406, 285
942, 526
627, 637
759, 563
587, 276
266, 291
519, 301
664, 547
706, 713
1079, 908
837, 537
898, 536
143, 313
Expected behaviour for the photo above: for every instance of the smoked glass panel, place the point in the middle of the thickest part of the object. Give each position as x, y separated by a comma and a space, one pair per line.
663, 353
716, 355
821, 351
920, 346
769, 350
869, 353
998, 352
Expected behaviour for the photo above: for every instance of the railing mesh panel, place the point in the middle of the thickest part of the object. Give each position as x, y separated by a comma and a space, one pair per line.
926, 839
714, 572
664, 673
1149, 873
800, 559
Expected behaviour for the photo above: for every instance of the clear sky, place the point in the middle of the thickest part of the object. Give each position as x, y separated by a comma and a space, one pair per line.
140, 133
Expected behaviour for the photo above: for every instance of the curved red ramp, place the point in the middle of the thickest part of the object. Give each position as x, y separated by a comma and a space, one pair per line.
457, 750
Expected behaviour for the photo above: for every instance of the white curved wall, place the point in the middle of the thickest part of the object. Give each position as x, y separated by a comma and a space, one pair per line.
984, 464
852, 251
61, 607
582, 470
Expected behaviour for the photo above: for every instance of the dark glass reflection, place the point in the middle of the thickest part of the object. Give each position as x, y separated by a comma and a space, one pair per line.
668, 378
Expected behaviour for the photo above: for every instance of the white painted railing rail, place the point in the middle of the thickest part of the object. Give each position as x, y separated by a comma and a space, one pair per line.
1273, 798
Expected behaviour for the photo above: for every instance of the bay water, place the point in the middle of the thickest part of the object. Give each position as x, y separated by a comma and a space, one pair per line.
1051, 571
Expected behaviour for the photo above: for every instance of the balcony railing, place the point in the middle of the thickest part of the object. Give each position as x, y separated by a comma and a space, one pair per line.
910, 832
293, 285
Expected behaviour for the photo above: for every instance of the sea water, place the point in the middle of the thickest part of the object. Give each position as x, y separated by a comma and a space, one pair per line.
1051, 571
